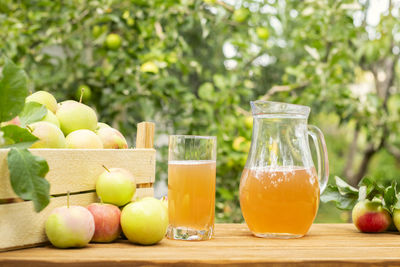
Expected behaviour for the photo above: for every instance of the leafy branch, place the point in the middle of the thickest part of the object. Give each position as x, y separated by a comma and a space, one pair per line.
345, 196
27, 171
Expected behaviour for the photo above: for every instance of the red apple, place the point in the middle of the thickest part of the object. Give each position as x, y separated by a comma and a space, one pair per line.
371, 217
112, 138
106, 220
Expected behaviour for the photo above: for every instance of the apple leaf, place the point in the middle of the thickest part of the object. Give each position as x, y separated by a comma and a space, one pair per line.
16, 136
370, 189
32, 112
345, 188
13, 91
27, 173
342, 201
346, 196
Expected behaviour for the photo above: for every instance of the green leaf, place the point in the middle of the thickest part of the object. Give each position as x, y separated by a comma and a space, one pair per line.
18, 137
345, 188
370, 189
27, 173
397, 205
390, 197
13, 91
32, 112
206, 91
343, 202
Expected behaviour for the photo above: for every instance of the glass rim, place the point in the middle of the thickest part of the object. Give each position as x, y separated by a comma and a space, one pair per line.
186, 136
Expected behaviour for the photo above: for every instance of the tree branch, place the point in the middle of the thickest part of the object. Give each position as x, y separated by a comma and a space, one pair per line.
347, 172
393, 150
369, 152
225, 5
282, 88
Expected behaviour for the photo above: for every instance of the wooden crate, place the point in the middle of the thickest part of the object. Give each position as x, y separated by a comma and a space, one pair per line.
76, 171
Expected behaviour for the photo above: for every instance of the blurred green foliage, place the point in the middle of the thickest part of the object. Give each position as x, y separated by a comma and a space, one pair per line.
192, 66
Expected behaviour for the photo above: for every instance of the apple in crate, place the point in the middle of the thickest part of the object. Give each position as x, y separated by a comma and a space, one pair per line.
106, 220
112, 138
50, 136
370, 217
44, 98
74, 116
144, 221
83, 138
116, 186
68, 227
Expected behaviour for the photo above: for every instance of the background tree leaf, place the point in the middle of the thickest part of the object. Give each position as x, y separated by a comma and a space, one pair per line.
18, 137
27, 173
13, 91
32, 112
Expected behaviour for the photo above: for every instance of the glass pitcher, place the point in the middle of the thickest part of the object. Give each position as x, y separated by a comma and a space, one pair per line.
280, 187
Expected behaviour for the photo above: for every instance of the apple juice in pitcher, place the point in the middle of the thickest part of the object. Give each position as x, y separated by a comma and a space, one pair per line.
279, 188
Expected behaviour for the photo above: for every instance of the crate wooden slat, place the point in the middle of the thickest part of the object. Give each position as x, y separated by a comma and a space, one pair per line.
233, 245
76, 170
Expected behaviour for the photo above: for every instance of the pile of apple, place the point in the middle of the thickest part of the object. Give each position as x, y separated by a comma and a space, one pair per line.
143, 222
71, 124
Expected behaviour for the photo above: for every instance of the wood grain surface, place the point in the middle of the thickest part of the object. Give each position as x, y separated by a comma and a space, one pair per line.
77, 170
233, 245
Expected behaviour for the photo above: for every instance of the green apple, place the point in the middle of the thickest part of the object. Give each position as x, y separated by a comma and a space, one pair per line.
164, 201
145, 221
396, 218
262, 33
116, 186
44, 98
240, 15
50, 136
112, 138
248, 122
50, 117
101, 125
71, 226
83, 139
113, 41
149, 66
238, 142
84, 91
74, 116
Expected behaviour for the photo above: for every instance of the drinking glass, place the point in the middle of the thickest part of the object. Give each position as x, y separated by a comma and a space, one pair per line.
191, 187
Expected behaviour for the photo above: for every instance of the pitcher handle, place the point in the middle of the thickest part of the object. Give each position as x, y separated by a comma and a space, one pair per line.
322, 155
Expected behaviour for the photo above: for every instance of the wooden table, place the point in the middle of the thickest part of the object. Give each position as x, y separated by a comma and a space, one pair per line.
328, 244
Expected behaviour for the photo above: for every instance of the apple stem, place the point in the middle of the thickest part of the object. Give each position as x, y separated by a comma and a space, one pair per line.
101, 200
82, 92
68, 199
29, 128
105, 168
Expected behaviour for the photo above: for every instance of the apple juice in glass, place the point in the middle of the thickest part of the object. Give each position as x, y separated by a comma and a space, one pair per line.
279, 188
191, 187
